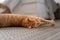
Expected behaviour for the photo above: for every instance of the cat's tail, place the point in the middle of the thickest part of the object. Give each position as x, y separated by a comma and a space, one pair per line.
5, 8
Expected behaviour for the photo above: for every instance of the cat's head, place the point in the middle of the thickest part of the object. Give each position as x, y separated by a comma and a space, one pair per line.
31, 22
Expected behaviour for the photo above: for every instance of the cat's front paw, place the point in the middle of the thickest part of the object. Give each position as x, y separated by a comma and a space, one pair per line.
29, 27
52, 23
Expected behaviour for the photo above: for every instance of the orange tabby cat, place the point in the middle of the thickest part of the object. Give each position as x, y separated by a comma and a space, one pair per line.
5, 7
22, 20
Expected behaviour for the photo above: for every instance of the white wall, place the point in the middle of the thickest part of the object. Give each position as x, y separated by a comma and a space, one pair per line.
12, 4
42, 9
29, 7
32, 7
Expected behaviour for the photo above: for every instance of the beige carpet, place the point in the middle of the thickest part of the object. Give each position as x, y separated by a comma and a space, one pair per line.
41, 33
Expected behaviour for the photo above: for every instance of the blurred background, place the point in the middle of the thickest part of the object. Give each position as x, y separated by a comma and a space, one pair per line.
41, 8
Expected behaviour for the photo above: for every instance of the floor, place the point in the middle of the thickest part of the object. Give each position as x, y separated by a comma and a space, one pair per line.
41, 33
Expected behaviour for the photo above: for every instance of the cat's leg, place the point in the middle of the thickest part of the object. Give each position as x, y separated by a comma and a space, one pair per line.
3, 25
50, 22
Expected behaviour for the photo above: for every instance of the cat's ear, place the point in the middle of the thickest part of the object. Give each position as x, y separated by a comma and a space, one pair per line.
29, 19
